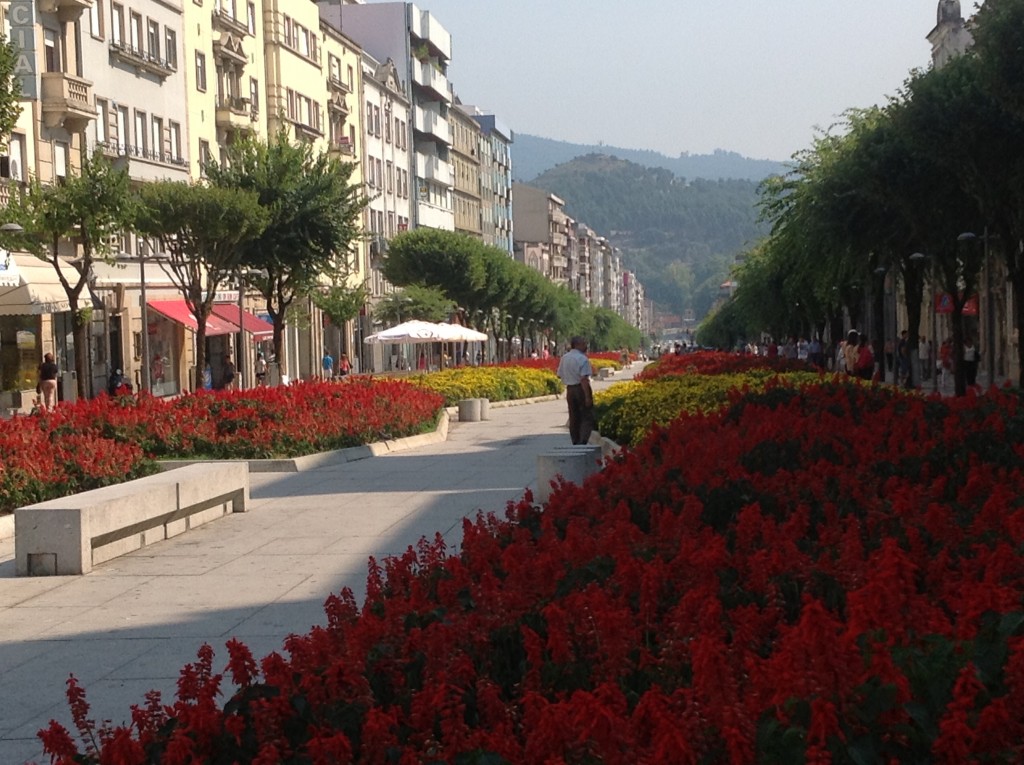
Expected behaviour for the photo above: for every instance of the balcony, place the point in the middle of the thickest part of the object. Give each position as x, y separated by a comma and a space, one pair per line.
423, 25
68, 11
66, 101
428, 77
434, 169
341, 147
337, 85
141, 60
430, 123
225, 22
234, 114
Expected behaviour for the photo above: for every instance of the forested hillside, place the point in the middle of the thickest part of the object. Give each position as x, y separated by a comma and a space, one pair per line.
532, 155
680, 237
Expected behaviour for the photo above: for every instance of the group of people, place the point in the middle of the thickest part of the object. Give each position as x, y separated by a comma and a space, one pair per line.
328, 369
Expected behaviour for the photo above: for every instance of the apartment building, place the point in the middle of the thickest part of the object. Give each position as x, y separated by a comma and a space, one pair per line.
495, 180
466, 171
539, 218
296, 86
225, 77
421, 48
347, 136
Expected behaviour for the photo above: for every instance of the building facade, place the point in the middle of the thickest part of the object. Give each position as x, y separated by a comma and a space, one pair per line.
421, 48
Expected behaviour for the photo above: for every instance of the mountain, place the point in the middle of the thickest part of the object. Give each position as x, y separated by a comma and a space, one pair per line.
680, 237
532, 156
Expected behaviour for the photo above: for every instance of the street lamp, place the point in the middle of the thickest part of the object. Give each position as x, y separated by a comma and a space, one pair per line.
243, 358
916, 259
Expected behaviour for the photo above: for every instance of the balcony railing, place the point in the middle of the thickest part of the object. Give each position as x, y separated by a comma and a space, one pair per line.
224, 20
67, 101
235, 114
140, 59
342, 146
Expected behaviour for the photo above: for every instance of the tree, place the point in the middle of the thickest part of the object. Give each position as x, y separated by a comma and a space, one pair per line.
88, 209
414, 302
447, 260
314, 219
10, 90
203, 231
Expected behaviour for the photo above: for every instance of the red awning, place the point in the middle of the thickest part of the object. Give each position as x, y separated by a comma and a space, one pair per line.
178, 310
254, 325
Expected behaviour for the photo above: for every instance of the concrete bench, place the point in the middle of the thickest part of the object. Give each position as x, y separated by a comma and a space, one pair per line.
572, 464
72, 534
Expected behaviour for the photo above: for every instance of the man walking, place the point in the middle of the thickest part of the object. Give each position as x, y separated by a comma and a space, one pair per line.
575, 372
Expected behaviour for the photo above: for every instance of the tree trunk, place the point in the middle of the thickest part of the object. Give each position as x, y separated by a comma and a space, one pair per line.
914, 293
1017, 280
959, 376
79, 331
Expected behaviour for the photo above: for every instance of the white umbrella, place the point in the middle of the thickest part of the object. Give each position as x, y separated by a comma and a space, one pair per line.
457, 333
414, 331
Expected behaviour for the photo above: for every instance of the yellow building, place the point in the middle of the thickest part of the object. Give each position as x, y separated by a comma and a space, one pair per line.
297, 92
225, 72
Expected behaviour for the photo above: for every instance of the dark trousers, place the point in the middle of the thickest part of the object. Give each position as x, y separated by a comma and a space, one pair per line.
581, 416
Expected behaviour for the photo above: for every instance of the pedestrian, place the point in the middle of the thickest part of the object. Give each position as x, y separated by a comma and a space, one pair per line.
575, 371
851, 352
47, 385
865, 366
344, 365
260, 369
971, 358
902, 358
327, 365
227, 377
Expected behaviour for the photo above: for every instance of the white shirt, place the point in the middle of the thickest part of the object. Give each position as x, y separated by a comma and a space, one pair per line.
573, 367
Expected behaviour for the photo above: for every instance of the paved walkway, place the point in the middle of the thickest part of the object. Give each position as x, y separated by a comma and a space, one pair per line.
130, 625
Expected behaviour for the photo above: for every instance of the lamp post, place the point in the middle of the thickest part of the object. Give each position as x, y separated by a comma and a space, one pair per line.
145, 382
916, 259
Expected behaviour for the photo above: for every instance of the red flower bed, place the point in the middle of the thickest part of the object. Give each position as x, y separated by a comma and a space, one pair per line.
717, 363
831, 574
107, 440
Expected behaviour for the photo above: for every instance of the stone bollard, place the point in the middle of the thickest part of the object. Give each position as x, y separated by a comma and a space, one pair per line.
469, 410
485, 408
573, 464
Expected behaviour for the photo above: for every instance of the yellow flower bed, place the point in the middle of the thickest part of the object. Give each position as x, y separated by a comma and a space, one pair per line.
598, 364
626, 412
494, 383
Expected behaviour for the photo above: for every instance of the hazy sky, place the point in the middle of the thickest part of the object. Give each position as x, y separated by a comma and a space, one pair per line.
752, 76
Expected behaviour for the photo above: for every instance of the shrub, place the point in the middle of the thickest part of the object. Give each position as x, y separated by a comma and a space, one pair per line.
824, 573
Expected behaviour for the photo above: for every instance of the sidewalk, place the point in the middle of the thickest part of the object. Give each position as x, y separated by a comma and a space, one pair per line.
130, 625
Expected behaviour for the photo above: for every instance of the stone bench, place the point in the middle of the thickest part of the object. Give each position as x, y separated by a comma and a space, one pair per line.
72, 534
572, 464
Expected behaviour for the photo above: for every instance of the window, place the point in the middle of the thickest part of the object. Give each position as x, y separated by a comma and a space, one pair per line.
153, 40
369, 118
61, 158
122, 128
51, 50
351, 78
204, 156
171, 47
398, 133
201, 71
157, 138
174, 136
102, 115
334, 68
96, 20
135, 33
116, 24
288, 31
251, 18
390, 177
376, 121
254, 95
140, 132
369, 173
